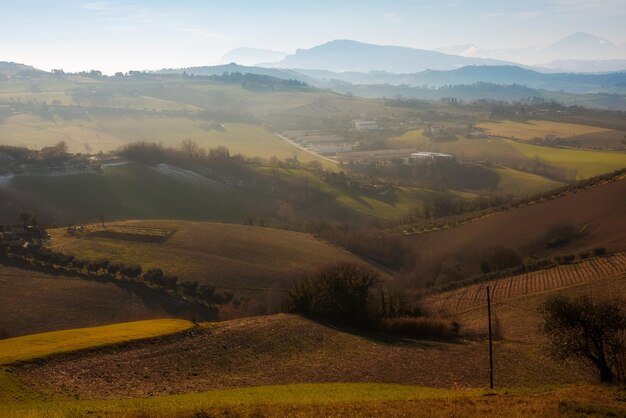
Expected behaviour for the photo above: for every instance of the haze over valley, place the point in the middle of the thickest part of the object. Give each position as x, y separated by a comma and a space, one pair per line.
330, 209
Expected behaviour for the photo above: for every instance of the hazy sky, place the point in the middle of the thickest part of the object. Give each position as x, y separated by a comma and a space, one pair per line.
117, 35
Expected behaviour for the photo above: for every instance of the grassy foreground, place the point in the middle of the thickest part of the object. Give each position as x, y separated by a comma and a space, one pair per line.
42, 345
45, 344
344, 399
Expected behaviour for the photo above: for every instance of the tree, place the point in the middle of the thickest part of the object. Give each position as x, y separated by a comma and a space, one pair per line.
338, 293
587, 329
28, 218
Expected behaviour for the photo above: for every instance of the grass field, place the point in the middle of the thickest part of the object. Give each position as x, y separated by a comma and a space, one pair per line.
218, 254
586, 163
386, 204
138, 191
538, 129
520, 183
108, 133
505, 152
346, 399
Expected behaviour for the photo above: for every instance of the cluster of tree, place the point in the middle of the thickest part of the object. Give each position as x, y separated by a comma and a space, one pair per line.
104, 269
187, 155
372, 244
347, 294
258, 82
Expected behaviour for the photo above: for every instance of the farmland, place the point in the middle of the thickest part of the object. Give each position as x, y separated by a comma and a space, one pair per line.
444, 255
532, 283
585, 163
33, 302
246, 353
107, 133
532, 129
346, 400
226, 255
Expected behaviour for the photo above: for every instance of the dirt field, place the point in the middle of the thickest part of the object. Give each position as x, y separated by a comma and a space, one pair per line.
32, 302
603, 209
282, 349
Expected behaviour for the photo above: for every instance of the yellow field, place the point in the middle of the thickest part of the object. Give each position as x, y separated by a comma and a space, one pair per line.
42, 345
585, 163
538, 129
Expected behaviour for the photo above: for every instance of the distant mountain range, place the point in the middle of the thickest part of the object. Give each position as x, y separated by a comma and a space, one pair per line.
501, 74
251, 56
579, 52
345, 55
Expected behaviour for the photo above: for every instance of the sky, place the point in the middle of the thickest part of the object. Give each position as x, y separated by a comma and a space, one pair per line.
117, 35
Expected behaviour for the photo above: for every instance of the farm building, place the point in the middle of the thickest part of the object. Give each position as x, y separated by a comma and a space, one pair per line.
365, 125
423, 157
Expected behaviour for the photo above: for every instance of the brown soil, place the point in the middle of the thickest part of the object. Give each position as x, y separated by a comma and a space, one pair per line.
454, 253
32, 302
283, 349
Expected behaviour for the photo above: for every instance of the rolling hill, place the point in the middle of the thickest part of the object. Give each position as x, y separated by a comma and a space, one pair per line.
243, 258
445, 255
246, 352
33, 302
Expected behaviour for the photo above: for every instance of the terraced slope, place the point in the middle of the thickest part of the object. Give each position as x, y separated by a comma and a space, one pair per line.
596, 270
517, 299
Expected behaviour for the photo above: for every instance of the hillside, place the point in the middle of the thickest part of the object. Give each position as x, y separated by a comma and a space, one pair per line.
445, 255
517, 299
225, 255
246, 352
33, 302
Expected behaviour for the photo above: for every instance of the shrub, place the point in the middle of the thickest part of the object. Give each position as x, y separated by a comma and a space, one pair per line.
599, 252
338, 294
421, 328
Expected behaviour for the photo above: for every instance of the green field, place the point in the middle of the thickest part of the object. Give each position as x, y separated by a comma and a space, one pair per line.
109, 133
586, 163
386, 203
520, 183
506, 152
343, 399
42, 345
538, 129
139, 191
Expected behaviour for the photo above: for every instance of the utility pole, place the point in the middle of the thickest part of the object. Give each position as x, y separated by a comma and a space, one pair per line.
490, 340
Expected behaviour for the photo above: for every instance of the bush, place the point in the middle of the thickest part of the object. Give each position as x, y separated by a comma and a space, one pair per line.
337, 294
421, 328
599, 252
